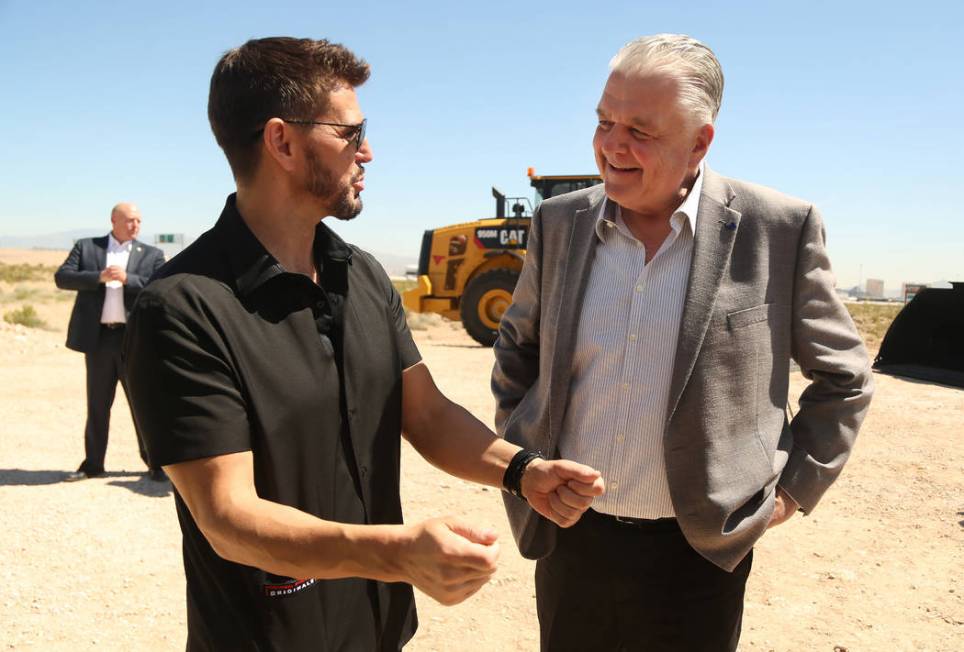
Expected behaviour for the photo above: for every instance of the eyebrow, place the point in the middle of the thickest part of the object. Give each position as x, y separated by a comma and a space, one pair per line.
635, 122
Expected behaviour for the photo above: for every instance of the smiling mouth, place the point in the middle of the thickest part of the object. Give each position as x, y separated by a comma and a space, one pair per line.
618, 169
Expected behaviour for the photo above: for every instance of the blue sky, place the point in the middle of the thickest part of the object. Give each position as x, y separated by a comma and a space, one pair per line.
852, 105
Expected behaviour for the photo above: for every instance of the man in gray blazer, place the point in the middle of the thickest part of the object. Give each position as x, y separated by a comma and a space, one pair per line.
108, 273
650, 337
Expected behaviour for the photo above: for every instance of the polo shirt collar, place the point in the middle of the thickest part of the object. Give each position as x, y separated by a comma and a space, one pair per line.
252, 265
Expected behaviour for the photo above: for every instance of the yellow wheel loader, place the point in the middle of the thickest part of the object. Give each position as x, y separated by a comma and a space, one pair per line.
468, 271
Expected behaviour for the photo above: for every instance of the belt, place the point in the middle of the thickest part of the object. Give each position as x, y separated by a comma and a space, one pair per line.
653, 524
113, 325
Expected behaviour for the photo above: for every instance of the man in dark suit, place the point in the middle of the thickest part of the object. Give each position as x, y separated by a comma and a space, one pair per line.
108, 273
650, 337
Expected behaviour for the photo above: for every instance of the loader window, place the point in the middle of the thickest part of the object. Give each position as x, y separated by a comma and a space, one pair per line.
553, 188
547, 189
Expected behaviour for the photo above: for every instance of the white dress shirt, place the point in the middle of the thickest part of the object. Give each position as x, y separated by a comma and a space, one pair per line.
118, 253
623, 360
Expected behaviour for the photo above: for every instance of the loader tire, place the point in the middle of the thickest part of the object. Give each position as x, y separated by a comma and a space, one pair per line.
485, 298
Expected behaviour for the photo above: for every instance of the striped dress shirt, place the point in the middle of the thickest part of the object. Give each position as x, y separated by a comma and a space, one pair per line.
623, 361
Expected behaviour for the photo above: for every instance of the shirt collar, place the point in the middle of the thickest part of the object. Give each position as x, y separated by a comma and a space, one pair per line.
251, 263
113, 244
691, 205
611, 212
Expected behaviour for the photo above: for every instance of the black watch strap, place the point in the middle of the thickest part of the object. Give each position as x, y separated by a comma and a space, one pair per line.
512, 479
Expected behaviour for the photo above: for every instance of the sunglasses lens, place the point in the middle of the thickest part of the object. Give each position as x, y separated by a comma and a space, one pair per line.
361, 134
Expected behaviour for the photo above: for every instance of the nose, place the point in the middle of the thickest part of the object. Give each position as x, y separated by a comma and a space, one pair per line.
613, 141
364, 153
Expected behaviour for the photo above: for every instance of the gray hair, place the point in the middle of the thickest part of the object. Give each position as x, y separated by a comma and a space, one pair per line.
690, 62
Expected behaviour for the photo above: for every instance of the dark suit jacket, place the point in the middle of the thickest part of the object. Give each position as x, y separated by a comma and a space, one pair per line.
81, 272
760, 293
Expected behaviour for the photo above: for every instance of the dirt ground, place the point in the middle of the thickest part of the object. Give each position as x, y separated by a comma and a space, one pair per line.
96, 564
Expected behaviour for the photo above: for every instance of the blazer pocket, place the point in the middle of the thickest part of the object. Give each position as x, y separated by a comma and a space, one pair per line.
744, 318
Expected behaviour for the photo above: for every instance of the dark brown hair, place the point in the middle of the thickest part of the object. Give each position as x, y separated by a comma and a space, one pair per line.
278, 77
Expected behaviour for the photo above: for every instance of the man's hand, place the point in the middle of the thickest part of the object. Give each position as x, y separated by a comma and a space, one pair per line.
448, 559
113, 273
783, 508
561, 490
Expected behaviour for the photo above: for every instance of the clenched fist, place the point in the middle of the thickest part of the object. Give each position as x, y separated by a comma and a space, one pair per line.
561, 490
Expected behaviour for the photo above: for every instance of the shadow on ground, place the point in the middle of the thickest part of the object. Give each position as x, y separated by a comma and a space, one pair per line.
137, 482
145, 486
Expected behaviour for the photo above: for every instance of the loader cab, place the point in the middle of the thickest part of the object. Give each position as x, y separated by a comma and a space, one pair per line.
551, 186
546, 187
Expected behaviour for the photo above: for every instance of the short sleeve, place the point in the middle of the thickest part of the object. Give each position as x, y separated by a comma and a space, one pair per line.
185, 397
407, 350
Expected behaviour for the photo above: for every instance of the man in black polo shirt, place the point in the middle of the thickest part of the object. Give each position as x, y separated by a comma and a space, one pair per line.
272, 372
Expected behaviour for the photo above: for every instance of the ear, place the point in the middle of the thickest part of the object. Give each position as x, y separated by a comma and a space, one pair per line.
702, 144
280, 143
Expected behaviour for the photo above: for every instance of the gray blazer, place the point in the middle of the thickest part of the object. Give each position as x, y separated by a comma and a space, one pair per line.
81, 272
760, 292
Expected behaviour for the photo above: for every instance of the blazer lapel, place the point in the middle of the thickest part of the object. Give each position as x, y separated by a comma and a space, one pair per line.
100, 251
134, 259
576, 267
716, 228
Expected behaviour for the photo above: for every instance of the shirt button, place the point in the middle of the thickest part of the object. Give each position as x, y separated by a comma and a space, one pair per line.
639, 288
632, 337
620, 438
625, 385
613, 486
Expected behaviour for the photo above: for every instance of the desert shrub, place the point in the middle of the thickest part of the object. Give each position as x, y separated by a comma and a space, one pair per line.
21, 272
35, 293
873, 320
424, 320
26, 315
416, 321
23, 292
403, 285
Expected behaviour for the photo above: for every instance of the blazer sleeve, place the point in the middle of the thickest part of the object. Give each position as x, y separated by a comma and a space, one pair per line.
517, 347
826, 345
70, 276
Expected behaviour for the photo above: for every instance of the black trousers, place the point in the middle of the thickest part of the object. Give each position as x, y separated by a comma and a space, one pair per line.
614, 586
104, 370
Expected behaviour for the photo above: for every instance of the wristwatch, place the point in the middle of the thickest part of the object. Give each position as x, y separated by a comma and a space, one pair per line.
512, 479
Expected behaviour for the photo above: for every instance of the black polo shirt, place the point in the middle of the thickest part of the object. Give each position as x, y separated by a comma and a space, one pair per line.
228, 352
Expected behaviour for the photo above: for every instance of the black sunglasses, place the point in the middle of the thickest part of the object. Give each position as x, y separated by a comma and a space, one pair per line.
356, 135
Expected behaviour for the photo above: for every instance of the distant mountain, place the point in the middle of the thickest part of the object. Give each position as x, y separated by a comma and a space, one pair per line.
61, 240
394, 264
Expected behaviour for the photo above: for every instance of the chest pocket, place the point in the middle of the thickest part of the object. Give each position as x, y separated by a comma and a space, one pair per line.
749, 316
